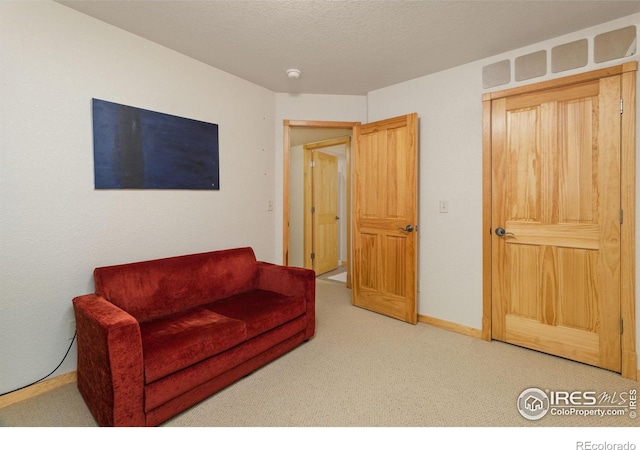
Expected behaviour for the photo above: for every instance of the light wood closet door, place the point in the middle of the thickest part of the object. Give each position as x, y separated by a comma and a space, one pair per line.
556, 194
325, 226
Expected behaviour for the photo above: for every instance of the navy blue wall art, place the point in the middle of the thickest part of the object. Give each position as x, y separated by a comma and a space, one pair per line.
139, 149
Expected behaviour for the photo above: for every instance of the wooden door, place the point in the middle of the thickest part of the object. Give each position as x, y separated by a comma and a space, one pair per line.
555, 245
325, 215
385, 185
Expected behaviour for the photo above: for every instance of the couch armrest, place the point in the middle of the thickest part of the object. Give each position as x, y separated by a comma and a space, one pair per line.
291, 281
110, 365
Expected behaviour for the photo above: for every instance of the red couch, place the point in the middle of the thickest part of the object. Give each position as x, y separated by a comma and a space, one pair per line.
159, 336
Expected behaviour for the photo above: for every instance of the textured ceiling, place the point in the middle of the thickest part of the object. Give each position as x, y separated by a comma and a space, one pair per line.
347, 47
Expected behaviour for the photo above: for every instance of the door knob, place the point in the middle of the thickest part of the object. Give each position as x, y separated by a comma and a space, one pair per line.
408, 228
501, 232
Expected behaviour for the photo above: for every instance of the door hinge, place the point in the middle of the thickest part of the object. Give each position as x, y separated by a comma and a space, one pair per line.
313, 256
621, 216
621, 326
313, 209
621, 106
312, 164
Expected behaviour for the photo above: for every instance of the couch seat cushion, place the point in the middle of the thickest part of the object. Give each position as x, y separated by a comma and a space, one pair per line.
260, 310
182, 339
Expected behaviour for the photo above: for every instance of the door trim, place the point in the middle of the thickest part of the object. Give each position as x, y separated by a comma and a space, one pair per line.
628, 198
288, 125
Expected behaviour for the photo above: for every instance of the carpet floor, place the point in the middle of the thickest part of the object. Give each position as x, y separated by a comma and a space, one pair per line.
366, 370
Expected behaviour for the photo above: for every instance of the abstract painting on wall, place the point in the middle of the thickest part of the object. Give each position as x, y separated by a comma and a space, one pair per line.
135, 148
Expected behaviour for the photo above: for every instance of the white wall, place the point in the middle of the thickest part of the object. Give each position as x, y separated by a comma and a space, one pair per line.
449, 105
54, 227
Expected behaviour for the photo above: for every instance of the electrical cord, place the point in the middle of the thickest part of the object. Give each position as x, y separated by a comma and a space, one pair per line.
46, 376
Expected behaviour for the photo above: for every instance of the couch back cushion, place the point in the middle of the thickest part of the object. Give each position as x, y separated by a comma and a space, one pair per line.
151, 289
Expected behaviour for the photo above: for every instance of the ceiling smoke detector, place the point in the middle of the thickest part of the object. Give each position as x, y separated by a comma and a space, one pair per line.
293, 74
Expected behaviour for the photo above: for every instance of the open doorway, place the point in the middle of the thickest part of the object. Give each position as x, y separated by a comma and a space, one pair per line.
383, 221
324, 207
300, 138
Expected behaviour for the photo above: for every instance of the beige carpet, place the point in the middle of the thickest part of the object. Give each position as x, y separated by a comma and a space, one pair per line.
366, 370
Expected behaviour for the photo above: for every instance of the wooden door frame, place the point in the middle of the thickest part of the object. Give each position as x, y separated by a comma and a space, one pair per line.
628, 197
288, 125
